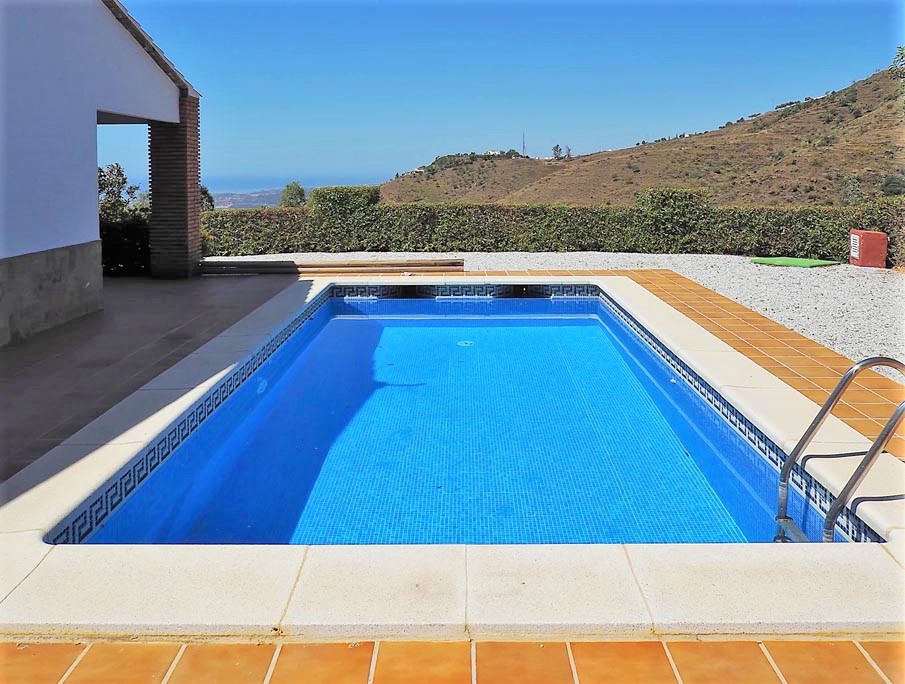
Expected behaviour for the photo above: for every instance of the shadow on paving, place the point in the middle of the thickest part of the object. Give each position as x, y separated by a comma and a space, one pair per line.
58, 381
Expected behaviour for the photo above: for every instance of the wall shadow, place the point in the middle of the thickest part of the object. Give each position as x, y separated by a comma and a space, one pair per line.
61, 380
245, 475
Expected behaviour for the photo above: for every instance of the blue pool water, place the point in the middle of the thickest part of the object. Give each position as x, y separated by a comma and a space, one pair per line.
430, 421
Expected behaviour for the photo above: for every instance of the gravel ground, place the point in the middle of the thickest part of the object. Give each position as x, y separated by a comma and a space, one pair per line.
857, 312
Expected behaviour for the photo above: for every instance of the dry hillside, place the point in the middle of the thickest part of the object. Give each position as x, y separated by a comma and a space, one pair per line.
801, 153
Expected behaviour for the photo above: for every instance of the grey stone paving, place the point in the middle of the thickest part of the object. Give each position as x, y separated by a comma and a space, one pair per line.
55, 383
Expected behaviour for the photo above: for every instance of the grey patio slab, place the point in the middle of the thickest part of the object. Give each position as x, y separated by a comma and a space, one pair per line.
762, 589
60, 380
387, 592
154, 591
139, 417
21, 555
553, 591
39, 496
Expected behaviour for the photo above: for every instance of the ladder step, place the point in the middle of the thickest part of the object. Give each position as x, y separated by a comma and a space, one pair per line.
791, 532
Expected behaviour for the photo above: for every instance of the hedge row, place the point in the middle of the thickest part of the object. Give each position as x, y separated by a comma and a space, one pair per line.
124, 247
661, 221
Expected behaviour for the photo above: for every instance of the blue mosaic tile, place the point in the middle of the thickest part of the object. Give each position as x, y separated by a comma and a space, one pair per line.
82, 522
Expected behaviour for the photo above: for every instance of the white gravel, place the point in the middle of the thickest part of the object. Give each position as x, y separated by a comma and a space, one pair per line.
857, 312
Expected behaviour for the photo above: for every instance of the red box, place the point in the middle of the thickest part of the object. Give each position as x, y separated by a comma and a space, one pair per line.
868, 248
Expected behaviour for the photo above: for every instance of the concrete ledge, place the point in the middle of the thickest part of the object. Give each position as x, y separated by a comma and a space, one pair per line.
379, 592
45, 289
820, 589
451, 593
437, 592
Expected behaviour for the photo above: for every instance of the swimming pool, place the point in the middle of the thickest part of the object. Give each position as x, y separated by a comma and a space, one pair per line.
459, 421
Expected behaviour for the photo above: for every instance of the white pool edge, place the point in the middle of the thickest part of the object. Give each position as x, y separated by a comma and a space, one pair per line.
445, 592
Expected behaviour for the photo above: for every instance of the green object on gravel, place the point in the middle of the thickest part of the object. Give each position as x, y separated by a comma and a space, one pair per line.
793, 261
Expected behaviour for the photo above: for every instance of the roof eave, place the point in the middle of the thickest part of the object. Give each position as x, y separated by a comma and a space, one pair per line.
138, 33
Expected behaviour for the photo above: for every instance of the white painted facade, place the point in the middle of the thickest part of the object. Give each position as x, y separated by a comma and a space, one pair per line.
64, 63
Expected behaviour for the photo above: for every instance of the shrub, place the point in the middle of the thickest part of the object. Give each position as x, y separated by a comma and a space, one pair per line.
124, 246
893, 184
667, 220
344, 197
661, 221
293, 195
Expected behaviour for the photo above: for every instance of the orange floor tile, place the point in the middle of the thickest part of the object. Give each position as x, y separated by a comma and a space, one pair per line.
323, 663
650, 662
36, 663
797, 360
223, 664
124, 663
803, 662
415, 662
889, 657
718, 662
526, 663
597, 663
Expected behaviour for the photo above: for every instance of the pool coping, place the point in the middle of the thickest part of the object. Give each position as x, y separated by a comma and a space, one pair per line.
445, 592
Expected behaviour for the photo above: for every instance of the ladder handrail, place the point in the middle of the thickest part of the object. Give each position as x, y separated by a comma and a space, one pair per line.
829, 524
808, 436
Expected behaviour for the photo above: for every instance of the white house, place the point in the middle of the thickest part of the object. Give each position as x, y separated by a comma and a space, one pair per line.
64, 68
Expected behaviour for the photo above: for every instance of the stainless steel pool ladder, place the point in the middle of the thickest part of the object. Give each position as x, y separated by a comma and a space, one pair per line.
787, 529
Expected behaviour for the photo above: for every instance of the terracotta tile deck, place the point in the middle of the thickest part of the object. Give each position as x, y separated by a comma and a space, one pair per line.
802, 363
454, 662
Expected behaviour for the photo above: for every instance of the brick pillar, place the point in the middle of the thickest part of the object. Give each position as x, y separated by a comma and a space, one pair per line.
175, 161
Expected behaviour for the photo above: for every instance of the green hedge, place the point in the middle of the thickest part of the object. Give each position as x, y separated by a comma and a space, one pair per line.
124, 247
661, 221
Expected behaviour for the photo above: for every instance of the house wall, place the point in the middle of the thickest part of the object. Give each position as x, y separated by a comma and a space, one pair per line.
62, 61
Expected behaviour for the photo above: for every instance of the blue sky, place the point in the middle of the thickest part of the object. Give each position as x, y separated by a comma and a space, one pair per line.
352, 92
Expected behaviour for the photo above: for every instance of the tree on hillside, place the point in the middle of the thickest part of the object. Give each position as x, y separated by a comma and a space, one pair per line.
116, 199
851, 190
557, 152
893, 184
897, 68
207, 199
293, 195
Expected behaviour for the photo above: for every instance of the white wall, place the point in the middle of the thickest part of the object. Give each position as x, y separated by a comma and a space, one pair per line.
61, 61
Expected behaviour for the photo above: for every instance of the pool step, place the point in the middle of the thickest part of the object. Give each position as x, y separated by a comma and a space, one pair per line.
371, 266
789, 531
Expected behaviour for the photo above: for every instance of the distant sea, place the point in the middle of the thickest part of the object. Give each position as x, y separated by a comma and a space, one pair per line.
243, 184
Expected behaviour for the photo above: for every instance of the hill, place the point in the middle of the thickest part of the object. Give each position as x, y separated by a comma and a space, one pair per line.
816, 151
247, 200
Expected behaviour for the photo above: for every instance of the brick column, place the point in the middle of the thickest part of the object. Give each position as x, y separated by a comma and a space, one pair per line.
175, 183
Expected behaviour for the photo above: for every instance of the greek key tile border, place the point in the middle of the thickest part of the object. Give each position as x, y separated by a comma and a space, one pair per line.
465, 290
848, 524
78, 525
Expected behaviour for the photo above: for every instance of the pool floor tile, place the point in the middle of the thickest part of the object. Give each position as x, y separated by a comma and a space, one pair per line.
525, 663
643, 661
889, 656
324, 663
719, 662
124, 663
223, 664
808, 662
36, 663
414, 662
